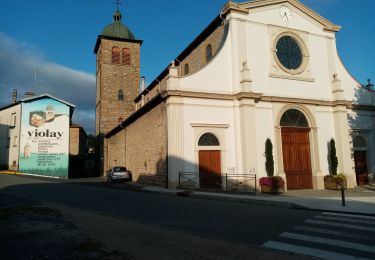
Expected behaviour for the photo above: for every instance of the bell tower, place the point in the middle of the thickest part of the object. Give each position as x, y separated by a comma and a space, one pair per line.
117, 80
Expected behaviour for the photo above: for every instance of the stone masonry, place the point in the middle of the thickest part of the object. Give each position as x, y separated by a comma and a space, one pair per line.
110, 79
142, 148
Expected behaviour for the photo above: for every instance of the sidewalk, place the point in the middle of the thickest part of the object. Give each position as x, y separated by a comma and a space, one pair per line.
360, 200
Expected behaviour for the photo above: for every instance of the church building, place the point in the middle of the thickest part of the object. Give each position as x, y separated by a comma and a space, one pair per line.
262, 69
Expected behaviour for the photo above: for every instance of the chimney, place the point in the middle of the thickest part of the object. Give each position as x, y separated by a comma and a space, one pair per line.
143, 89
29, 94
143, 83
14, 96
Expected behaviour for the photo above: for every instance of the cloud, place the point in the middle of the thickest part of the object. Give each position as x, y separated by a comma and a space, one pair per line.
18, 61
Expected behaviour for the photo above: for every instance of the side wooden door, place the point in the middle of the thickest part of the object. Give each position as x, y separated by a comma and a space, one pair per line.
360, 161
296, 157
210, 169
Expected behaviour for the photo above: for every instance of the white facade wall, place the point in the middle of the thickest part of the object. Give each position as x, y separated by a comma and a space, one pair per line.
9, 136
251, 39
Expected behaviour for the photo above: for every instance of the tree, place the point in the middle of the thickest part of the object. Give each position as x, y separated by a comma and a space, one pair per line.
269, 158
333, 157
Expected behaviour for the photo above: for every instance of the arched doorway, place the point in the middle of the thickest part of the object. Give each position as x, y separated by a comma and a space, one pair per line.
295, 134
360, 160
209, 161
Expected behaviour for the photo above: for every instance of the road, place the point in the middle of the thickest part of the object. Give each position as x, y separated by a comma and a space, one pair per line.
295, 231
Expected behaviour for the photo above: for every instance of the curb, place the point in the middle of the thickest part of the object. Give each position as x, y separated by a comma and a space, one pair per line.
10, 172
253, 201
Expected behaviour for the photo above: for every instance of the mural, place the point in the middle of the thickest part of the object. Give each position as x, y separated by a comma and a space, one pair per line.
44, 143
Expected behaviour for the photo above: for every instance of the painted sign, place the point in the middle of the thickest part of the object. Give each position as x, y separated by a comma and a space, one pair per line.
44, 143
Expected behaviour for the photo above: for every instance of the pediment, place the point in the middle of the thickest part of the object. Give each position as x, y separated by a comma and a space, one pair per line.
246, 7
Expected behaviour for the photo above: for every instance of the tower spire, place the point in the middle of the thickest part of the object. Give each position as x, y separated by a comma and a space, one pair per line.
117, 3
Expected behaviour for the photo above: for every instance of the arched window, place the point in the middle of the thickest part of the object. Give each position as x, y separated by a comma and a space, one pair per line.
116, 55
208, 140
186, 69
293, 118
208, 53
126, 56
359, 142
120, 95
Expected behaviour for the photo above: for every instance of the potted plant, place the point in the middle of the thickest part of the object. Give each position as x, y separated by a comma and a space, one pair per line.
271, 184
334, 181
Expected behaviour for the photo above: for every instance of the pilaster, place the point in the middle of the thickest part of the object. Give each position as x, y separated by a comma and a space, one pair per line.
173, 78
248, 135
345, 162
175, 140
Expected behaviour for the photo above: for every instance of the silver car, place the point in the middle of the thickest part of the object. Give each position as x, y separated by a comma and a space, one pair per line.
118, 174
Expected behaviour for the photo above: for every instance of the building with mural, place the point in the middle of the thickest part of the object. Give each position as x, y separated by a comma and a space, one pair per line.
35, 136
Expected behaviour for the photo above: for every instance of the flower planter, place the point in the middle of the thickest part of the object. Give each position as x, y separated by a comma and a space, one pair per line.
270, 190
331, 183
272, 184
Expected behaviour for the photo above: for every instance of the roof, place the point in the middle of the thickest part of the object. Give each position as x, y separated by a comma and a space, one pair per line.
198, 40
10, 105
48, 96
243, 8
135, 115
117, 29
36, 98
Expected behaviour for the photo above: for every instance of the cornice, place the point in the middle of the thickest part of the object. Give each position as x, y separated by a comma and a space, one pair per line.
233, 7
328, 26
362, 107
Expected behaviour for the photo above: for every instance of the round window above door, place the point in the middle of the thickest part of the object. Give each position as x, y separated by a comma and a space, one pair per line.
290, 53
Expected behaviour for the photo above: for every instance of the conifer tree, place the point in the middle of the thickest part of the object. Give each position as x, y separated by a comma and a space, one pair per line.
269, 158
333, 157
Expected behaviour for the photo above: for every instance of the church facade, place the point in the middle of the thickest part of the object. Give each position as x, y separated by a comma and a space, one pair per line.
263, 69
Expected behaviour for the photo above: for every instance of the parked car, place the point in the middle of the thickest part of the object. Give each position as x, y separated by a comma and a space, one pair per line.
119, 174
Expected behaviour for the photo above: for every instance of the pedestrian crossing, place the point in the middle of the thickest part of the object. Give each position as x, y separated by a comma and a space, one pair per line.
330, 236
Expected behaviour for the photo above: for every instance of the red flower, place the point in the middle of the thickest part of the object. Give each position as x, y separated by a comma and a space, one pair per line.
274, 182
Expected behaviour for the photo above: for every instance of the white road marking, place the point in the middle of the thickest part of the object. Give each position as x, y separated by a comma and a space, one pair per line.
348, 215
309, 251
369, 222
331, 242
370, 229
334, 233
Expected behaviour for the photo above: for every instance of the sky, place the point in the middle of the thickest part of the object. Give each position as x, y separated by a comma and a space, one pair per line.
58, 38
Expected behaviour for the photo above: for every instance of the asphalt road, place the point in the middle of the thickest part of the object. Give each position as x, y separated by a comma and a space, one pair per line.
243, 223
319, 234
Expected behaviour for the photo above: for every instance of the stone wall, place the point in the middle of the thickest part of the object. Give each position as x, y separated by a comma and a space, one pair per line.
142, 148
146, 147
110, 78
113, 77
74, 141
196, 61
116, 151
197, 58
